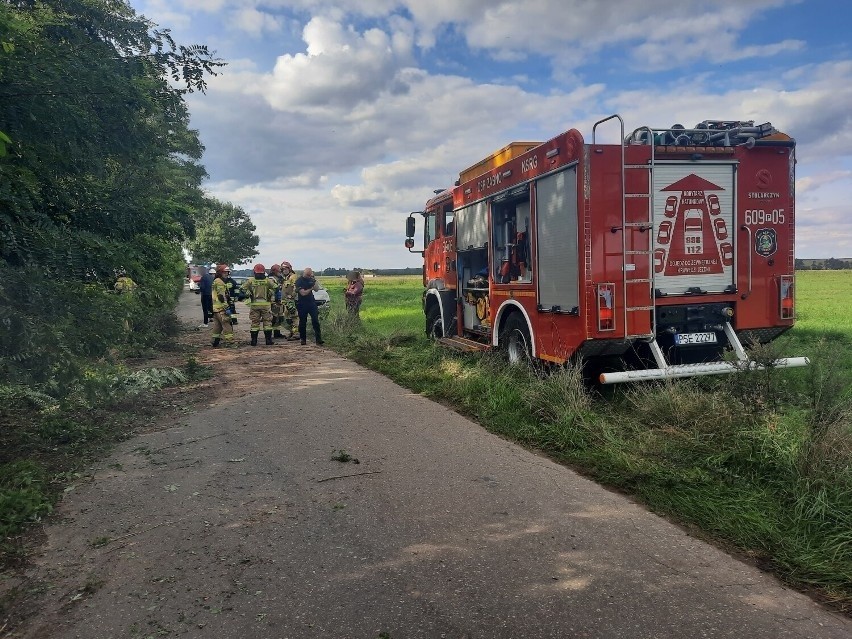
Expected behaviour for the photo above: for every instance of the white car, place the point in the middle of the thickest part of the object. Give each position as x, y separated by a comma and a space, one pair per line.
323, 298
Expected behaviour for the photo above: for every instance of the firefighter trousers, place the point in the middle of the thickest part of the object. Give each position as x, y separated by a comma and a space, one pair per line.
260, 316
222, 328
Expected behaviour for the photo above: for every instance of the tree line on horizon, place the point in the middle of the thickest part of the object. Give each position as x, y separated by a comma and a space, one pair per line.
374, 271
830, 264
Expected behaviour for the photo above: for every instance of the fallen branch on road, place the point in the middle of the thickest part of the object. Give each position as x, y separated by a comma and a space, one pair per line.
191, 440
139, 532
370, 472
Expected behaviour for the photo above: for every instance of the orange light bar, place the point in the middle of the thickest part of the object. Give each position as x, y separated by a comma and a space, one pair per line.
708, 150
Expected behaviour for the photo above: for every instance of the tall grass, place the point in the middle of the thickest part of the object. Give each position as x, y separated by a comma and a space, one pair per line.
761, 460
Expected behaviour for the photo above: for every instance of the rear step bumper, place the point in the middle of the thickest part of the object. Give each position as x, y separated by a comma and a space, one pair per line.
666, 371
696, 370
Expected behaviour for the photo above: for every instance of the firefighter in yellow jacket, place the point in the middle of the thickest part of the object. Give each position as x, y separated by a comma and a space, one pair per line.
288, 298
277, 305
261, 293
222, 328
124, 284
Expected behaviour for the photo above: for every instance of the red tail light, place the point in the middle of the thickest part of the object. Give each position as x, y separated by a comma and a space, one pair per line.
787, 304
606, 307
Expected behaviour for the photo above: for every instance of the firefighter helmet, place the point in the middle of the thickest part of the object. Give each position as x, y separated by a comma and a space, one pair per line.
259, 269
274, 268
220, 268
286, 264
211, 270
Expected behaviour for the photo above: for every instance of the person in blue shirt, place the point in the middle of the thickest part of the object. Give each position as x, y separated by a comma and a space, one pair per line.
306, 305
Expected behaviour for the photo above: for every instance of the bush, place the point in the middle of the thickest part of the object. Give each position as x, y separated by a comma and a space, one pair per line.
22, 497
53, 329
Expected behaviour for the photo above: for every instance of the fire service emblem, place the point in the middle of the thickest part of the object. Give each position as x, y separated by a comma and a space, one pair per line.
691, 239
765, 242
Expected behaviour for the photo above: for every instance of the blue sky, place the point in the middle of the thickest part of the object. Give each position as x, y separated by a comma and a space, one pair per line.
335, 119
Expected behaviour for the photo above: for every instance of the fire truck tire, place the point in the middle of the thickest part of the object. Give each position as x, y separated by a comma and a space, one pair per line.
515, 339
434, 323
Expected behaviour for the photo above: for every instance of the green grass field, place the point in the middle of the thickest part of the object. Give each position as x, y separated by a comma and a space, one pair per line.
391, 304
823, 299
823, 329
758, 461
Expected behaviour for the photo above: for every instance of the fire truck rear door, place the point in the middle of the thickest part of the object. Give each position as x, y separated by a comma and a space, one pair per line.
694, 227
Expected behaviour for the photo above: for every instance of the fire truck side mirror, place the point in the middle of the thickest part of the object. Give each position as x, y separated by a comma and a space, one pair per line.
410, 227
409, 243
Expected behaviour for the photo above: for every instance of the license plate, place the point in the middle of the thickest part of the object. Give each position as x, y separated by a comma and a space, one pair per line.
686, 339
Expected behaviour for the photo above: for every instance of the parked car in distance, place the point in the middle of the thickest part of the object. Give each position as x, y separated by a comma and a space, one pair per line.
238, 293
323, 298
194, 273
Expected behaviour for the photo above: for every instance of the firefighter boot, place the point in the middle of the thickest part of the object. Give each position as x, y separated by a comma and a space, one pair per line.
215, 342
254, 338
268, 335
291, 333
277, 333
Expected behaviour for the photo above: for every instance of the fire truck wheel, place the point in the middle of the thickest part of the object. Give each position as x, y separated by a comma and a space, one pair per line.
434, 323
515, 339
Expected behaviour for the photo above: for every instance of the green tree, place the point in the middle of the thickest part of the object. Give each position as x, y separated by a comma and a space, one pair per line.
100, 174
223, 233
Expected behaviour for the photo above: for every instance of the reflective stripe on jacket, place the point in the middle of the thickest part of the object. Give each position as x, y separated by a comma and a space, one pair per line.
261, 291
220, 292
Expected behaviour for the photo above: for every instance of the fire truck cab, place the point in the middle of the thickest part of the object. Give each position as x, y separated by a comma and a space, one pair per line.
667, 248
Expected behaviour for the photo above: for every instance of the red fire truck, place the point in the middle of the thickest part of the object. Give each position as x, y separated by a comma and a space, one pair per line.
194, 273
667, 249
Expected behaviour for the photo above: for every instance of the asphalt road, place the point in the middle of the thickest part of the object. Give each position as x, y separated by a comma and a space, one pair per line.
237, 522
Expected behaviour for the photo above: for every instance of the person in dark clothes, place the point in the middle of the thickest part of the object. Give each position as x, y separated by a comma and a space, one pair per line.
307, 305
206, 290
